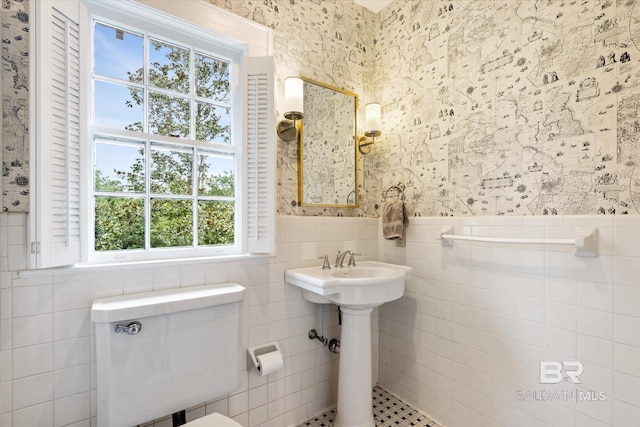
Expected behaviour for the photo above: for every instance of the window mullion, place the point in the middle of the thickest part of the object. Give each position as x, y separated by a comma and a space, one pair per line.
147, 204
192, 92
170, 196
114, 80
119, 194
195, 175
195, 172
145, 82
147, 156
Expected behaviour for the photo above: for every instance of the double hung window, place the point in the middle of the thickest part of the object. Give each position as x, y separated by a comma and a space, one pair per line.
165, 155
154, 136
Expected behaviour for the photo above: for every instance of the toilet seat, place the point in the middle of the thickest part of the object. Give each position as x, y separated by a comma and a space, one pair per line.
213, 420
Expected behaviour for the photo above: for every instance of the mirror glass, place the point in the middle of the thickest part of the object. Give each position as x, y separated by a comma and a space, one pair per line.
328, 162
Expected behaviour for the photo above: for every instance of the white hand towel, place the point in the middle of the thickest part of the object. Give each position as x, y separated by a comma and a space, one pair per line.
394, 219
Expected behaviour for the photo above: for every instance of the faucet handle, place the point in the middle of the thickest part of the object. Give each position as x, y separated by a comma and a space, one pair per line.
352, 259
325, 263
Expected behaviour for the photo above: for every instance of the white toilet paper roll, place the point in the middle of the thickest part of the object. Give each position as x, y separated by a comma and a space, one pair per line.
269, 362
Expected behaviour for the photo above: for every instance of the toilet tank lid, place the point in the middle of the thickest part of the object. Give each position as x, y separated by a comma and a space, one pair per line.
145, 304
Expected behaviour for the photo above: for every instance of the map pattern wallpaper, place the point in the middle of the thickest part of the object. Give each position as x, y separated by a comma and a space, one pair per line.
15, 104
511, 107
490, 107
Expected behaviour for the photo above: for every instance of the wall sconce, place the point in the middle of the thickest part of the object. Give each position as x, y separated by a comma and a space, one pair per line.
293, 107
373, 124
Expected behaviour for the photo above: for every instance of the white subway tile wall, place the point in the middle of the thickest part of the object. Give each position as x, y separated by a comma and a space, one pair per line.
47, 360
463, 345
465, 342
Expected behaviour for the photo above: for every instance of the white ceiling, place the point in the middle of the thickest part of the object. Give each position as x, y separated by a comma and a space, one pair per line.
374, 5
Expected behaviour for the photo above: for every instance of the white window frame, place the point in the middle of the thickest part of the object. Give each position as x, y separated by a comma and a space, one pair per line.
256, 172
206, 42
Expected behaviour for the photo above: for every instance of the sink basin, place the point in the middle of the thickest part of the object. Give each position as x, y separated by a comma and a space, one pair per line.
368, 284
362, 272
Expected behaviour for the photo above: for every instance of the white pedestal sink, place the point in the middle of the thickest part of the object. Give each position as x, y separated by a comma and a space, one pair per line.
357, 290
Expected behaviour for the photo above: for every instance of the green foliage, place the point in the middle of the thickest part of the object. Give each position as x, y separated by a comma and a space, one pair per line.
215, 223
214, 185
171, 172
119, 221
169, 115
171, 223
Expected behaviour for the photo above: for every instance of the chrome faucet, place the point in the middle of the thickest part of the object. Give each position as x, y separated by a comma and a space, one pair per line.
340, 259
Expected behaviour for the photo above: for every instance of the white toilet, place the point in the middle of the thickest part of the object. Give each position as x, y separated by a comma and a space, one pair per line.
158, 353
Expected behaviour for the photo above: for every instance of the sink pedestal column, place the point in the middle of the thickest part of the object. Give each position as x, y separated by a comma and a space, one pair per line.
354, 377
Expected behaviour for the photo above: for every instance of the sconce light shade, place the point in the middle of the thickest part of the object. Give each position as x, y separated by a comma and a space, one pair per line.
293, 108
373, 120
293, 98
372, 128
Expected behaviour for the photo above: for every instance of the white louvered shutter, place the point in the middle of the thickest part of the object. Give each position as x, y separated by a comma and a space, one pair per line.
260, 143
55, 203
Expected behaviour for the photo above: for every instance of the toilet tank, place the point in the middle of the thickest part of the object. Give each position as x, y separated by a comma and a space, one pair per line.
186, 352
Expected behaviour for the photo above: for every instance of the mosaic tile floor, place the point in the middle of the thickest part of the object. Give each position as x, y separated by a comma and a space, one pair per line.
388, 411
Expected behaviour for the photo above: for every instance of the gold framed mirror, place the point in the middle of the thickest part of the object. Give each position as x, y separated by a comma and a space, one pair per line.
327, 148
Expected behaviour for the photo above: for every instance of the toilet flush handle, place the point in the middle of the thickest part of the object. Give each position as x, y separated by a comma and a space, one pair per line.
132, 328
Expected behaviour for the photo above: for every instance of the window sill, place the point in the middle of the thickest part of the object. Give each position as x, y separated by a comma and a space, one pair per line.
97, 267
